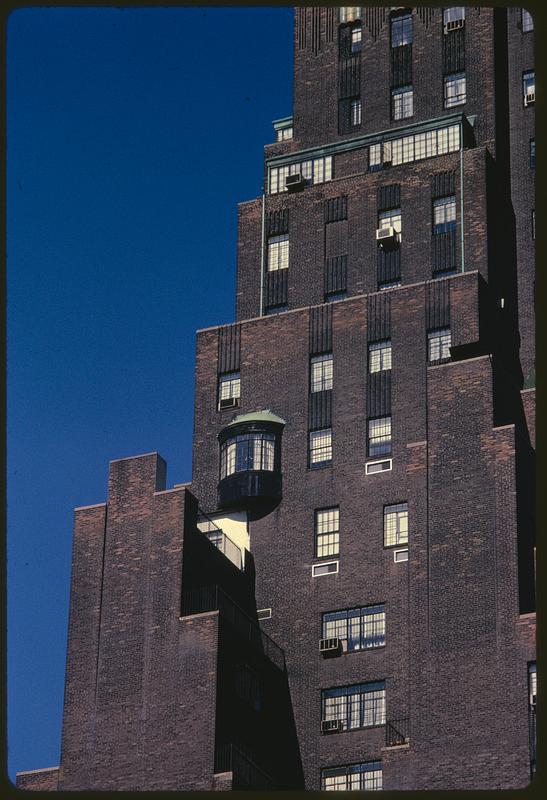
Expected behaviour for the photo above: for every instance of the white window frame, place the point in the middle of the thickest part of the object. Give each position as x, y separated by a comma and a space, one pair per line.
402, 102
321, 373
379, 356
385, 440
439, 342
278, 252
455, 90
326, 448
229, 386
327, 532
444, 214
395, 525
319, 570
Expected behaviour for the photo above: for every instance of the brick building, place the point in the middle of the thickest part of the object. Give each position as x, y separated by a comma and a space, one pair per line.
344, 595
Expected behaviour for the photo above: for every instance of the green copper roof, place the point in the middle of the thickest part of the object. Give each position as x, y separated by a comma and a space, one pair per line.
258, 416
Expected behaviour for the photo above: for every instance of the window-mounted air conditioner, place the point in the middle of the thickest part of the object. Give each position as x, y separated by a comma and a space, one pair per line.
453, 25
332, 725
294, 182
530, 98
229, 402
330, 646
386, 235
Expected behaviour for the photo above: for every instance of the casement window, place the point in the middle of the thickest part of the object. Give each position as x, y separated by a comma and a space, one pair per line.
320, 447
321, 372
391, 219
327, 532
453, 17
401, 29
532, 153
229, 390
455, 91
444, 214
361, 628
438, 345
527, 21
363, 777
247, 451
278, 252
349, 14
379, 356
356, 39
396, 525
532, 683
379, 436
360, 706
402, 102
316, 170
529, 87
355, 113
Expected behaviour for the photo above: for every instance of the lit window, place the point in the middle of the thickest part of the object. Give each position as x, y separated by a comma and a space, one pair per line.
359, 706
350, 14
444, 214
532, 153
355, 113
527, 21
320, 447
248, 451
391, 219
229, 390
532, 683
438, 345
402, 102
327, 532
401, 30
362, 628
375, 156
379, 436
455, 93
379, 356
529, 87
396, 525
321, 373
363, 777
284, 133
356, 39
278, 252
453, 15
318, 170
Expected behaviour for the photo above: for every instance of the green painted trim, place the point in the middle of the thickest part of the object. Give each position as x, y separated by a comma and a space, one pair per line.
257, 416
284, 122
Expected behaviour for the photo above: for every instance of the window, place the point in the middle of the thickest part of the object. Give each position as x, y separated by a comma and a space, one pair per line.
327, 532
401, 30
355, 113
321, 373
455, 14
455, 90
278, 252
529, 87
532, 683
356, 39
320, 447
396, 525
247, 451
444, 214
359, 706
229, 390
379, 436
284, 133
391, 219
363, 777
379, 356
328, 568
350, 14
414, 148
400, 555
533, 224
362, 628
532, 153
316, 170
438, 345
527, 21
402, 103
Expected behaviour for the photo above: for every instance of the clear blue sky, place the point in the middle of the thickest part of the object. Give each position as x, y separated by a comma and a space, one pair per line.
132, 136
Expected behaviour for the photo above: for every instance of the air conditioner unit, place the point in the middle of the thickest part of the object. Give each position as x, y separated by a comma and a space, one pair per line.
294, 182
329, 645
332, 725
387, 234
530, 98
453, 25
229, 402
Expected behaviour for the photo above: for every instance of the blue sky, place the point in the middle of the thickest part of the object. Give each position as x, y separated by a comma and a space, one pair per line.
132, 136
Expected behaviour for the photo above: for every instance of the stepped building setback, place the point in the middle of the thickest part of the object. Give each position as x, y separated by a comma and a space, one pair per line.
343, 597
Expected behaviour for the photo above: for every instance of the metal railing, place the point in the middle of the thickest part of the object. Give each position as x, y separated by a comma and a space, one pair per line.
246, 774
397, 732
212, 598
220, 540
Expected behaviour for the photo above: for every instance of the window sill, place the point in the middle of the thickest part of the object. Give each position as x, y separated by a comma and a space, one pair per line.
322, 465
395, 546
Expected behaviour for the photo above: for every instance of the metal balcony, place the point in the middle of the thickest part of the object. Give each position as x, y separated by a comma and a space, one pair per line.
397, 732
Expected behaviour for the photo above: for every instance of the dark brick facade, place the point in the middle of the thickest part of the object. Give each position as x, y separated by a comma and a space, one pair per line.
171, 683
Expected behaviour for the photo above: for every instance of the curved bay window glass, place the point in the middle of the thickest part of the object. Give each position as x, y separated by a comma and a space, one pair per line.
247, 451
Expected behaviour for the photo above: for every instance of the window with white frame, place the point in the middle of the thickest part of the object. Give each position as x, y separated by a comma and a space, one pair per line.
229, 390
363, 777
362, 628
321, 372
349, 14
379, 436
355, 113
401, 29
402, 102
527, 21
529, 87
391, 219
356, 39
360, 706
320, 447
438, 345
455, 91
278, 252
284, 133
532, 683
316, 170
327, 532
454, 14
444, 214
396, 525
379, 356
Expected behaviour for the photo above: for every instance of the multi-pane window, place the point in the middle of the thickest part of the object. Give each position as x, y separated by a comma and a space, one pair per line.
355, 113
284, 133
278, 252
349, 14
321, 372
391, 219
327, 532
396, 525
414, 148
444, 214
248, 451
454, 14
455, 92
356, 39
360, 706
320, 446
379, 356
362, 628
532, 683
402, 102
379, 436
529, 87
401, 30
229, 390
527, 21
364, 777
532, 153
438, 345
316, 170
